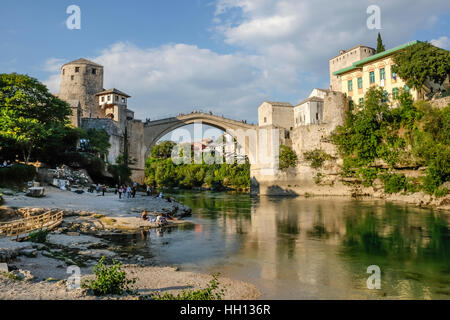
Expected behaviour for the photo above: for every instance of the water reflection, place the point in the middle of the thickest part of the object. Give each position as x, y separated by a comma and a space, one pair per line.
296, 248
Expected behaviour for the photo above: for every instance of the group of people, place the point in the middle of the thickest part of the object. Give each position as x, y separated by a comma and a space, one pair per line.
127, 190
161, 219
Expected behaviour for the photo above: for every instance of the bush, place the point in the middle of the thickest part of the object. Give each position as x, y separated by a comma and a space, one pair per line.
393, 183
317, 157
39, 236
211, 292
288, 157
17, 174
368, 175
109, 280
441, 192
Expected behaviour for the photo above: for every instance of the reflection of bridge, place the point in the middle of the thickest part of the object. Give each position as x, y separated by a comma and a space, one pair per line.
155, 130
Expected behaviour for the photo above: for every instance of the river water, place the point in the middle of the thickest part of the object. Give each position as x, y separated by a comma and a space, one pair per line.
311, 248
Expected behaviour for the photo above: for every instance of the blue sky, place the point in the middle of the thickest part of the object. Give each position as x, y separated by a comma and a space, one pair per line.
227, 56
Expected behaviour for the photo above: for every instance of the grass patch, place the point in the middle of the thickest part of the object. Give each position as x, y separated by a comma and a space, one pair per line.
211, 292
10, 275
109, 280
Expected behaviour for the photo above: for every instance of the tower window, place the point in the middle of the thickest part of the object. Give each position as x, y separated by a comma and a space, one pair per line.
64, 71
77, 69
94, 71
265, 119
72, 77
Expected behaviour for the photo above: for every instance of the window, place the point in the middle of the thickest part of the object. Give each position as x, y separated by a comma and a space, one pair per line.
94, 71
317, 116
395, 93
64, 71
385, 96
123, 100
109, 98
361, 101
117, 98
372, 76
72, 77
382, 74
360, 83
265, 119
77, 69
350, 85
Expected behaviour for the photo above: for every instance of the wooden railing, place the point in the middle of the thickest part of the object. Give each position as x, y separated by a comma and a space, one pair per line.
21, 229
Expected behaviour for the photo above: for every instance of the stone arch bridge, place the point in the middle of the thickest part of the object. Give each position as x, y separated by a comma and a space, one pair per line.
247, 135
155, 130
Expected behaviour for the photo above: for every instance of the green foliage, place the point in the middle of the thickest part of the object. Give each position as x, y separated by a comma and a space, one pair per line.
367, 175
109, 280
163, 150
211, 292
39, 236
380, 45
161, 171
98, 141
393, 183
288, 158
121, 171
422, 62
29, 113
317, 157
413, 134
17, 174
441, 192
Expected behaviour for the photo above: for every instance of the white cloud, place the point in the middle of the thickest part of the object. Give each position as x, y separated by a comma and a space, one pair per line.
177, 78
305, 34
442, 42
282, 48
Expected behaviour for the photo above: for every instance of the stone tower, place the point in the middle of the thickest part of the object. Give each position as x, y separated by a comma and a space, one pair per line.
345, 59
81, 80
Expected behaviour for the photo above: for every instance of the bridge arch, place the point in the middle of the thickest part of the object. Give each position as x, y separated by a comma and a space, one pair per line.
155, 130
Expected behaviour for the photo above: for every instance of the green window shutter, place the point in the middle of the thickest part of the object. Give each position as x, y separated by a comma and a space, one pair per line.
360, 83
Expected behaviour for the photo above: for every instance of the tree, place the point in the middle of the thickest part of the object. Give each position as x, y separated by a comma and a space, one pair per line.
380, 45
163, 150
288, 158
421, 62
29, 113
98, 141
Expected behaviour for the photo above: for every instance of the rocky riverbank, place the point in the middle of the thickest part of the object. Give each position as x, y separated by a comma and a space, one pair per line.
39, 270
